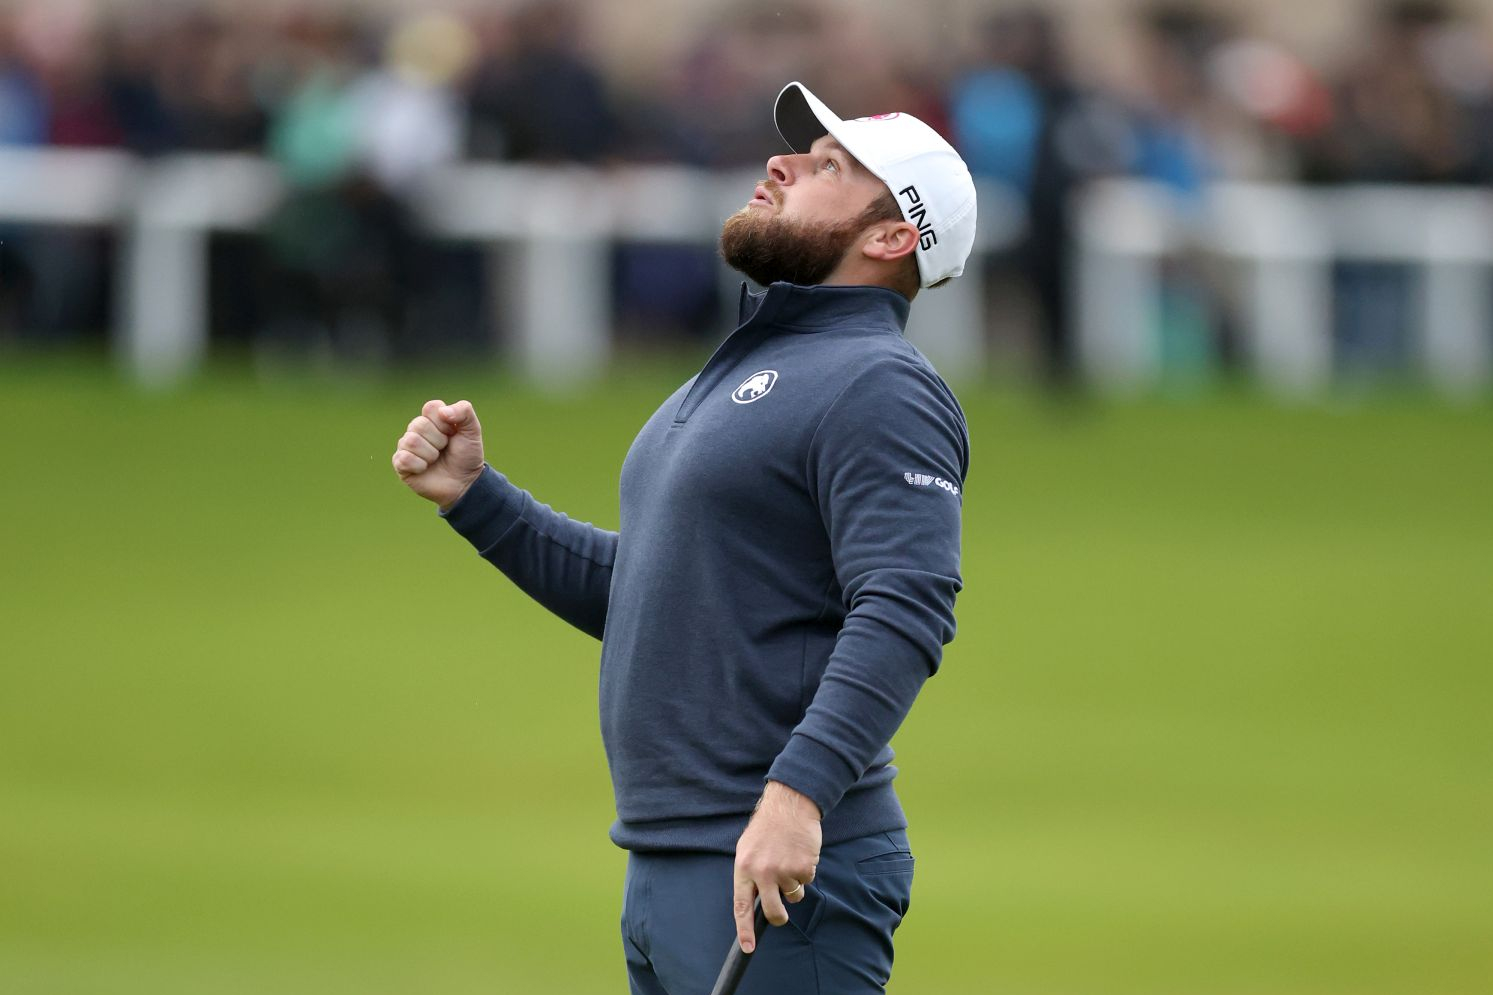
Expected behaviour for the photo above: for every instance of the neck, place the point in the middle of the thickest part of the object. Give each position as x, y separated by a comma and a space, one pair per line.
862, 272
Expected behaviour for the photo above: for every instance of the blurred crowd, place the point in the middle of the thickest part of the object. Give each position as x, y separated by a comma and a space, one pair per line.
355, 104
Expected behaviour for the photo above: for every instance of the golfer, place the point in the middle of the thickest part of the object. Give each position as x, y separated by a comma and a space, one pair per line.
783, 579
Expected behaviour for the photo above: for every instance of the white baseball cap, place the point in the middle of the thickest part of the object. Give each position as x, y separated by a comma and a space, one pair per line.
930, 181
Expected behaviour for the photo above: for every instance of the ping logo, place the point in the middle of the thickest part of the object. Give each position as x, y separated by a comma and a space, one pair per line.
917, 213
755, 386
928, 480
881, 117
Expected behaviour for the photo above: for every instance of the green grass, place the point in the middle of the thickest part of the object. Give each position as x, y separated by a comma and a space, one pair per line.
1217, 720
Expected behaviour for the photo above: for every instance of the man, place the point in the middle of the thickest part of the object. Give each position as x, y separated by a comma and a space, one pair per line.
784, 577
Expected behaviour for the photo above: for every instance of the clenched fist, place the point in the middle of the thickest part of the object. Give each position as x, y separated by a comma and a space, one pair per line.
441, 453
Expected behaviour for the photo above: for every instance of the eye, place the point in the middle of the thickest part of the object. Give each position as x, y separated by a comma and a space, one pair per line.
832, 164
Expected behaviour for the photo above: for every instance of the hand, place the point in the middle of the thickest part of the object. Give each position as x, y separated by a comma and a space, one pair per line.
441, 453
778, 852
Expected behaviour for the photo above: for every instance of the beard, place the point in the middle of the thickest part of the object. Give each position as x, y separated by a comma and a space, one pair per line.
766, 247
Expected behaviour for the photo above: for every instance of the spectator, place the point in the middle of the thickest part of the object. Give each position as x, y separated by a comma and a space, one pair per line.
316, 249
1402, 117
1398, 120
209, 82
51, 60
23, 104
408, 116
23, 121
81, 110
136, 58
1020, 119
1172, 124
540, 97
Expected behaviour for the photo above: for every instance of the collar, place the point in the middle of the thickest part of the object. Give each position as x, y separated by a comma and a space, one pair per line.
812, 309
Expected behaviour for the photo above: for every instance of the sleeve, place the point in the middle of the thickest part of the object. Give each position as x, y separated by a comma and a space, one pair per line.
563, 564
887, 465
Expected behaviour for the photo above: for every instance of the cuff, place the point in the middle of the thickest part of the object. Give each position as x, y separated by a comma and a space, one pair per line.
487, 510
813, 769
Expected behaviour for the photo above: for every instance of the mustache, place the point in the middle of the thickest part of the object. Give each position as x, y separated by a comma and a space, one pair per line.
773, 190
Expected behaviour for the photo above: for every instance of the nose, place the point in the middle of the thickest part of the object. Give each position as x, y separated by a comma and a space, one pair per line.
780, 168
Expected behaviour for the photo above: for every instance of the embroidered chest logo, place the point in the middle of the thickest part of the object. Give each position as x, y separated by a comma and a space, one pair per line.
755, 386
928, 480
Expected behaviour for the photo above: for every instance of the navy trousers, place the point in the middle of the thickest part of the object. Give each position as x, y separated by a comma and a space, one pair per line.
677, 926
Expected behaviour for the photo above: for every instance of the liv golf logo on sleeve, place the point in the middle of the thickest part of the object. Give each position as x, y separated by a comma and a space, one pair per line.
928, 480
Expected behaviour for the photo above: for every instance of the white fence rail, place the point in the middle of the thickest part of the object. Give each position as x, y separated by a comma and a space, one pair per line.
1285, 239
554, 227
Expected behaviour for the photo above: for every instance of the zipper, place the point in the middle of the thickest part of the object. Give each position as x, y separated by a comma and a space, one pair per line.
737, 345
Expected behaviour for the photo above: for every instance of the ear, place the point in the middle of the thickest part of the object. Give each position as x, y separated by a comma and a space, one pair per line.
889, 241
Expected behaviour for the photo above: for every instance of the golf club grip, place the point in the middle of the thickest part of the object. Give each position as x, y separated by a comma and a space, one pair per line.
736, 960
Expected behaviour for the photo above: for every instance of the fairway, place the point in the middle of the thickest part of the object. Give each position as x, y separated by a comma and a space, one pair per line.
1216, 721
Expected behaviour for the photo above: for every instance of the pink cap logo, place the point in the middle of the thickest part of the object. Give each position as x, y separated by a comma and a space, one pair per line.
882, 117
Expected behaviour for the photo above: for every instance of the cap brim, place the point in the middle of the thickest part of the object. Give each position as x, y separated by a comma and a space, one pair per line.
802, 118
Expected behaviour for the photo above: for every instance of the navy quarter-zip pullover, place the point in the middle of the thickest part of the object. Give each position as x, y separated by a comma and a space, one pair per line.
783, 579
